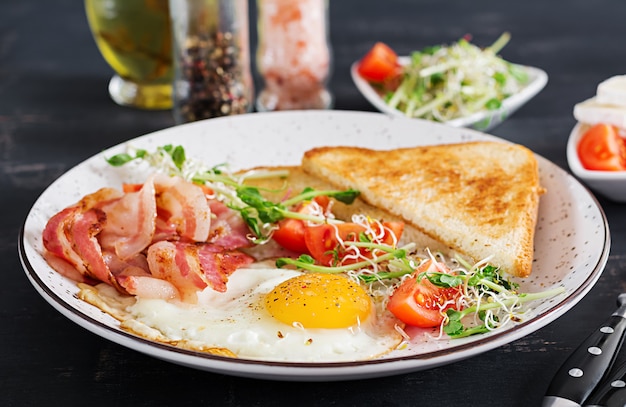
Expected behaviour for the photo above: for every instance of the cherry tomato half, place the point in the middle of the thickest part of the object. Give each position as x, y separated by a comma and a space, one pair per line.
601, 148
391, 232
420, 303
290, 232
324, 241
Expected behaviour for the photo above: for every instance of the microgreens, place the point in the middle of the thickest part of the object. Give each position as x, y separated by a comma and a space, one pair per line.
258, 212
306, 262
443, 83
455, 328
485, 290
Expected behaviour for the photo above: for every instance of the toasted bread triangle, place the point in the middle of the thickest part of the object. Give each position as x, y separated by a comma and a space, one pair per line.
478, 198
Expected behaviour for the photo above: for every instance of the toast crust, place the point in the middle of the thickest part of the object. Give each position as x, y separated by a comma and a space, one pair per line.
478, 198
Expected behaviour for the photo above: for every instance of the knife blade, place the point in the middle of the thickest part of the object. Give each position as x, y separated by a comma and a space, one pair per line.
611, 392
587, 365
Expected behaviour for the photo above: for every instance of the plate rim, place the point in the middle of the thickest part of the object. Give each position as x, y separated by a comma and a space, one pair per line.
310, 371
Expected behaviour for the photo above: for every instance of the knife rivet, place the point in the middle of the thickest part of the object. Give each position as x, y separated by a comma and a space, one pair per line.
575, 372
618, 383
594, 350
607, 330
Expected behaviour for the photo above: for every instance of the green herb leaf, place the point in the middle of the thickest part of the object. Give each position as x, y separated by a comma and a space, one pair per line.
178, 156
500, 78
454, 326
443, 280
119, 159
347, 196
493, 104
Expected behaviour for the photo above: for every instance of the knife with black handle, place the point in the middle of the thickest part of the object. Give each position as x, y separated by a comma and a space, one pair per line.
611, 392
584, 369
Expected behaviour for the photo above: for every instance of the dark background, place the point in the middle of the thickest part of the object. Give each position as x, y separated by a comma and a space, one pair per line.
55, 112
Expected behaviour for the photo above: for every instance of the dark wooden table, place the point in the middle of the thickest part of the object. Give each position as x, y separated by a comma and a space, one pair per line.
55, 112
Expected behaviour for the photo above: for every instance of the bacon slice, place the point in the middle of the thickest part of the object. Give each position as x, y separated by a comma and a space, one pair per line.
161, 240
118, 265
228, 228
130, 224
137, 281
193, 267
85, 227
218, 263
56, 237
185, 205
58, 229
178, 264
71, 236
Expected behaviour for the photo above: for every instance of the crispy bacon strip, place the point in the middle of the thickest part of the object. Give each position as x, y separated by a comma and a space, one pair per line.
193, 267
71, 236
186, 205
217, 264
130, 222
228, 228
171, 262
161, 240
85, 227
137, 281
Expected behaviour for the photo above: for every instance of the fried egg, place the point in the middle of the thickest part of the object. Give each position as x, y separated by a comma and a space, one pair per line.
274, 315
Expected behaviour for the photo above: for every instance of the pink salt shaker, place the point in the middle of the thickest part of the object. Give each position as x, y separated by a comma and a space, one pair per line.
293, 55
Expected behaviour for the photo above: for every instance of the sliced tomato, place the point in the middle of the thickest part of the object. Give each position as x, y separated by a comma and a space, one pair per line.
324, 241
392, 231
290, 235
602, 148
290, 232
379, 64
420, 303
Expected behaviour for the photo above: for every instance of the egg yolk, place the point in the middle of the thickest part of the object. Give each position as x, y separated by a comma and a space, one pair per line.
317, 300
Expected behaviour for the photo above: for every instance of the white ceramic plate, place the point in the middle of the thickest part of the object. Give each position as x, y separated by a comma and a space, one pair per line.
572, 237
611, 184
484, 120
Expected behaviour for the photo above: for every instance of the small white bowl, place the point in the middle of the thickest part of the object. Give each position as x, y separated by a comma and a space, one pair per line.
484, 120
611, 184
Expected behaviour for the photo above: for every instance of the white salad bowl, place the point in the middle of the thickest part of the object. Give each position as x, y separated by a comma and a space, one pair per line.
611, 184
483, 120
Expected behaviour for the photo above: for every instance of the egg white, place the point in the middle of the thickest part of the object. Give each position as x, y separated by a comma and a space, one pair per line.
238, 321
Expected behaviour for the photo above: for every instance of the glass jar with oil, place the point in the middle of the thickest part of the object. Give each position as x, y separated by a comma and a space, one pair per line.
135, 38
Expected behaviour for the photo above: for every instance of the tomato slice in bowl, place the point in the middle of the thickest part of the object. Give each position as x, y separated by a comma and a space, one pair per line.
602, 148
379, 64
420, 303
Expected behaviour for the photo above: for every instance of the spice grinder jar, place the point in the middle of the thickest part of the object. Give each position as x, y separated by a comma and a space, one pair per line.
211, 59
